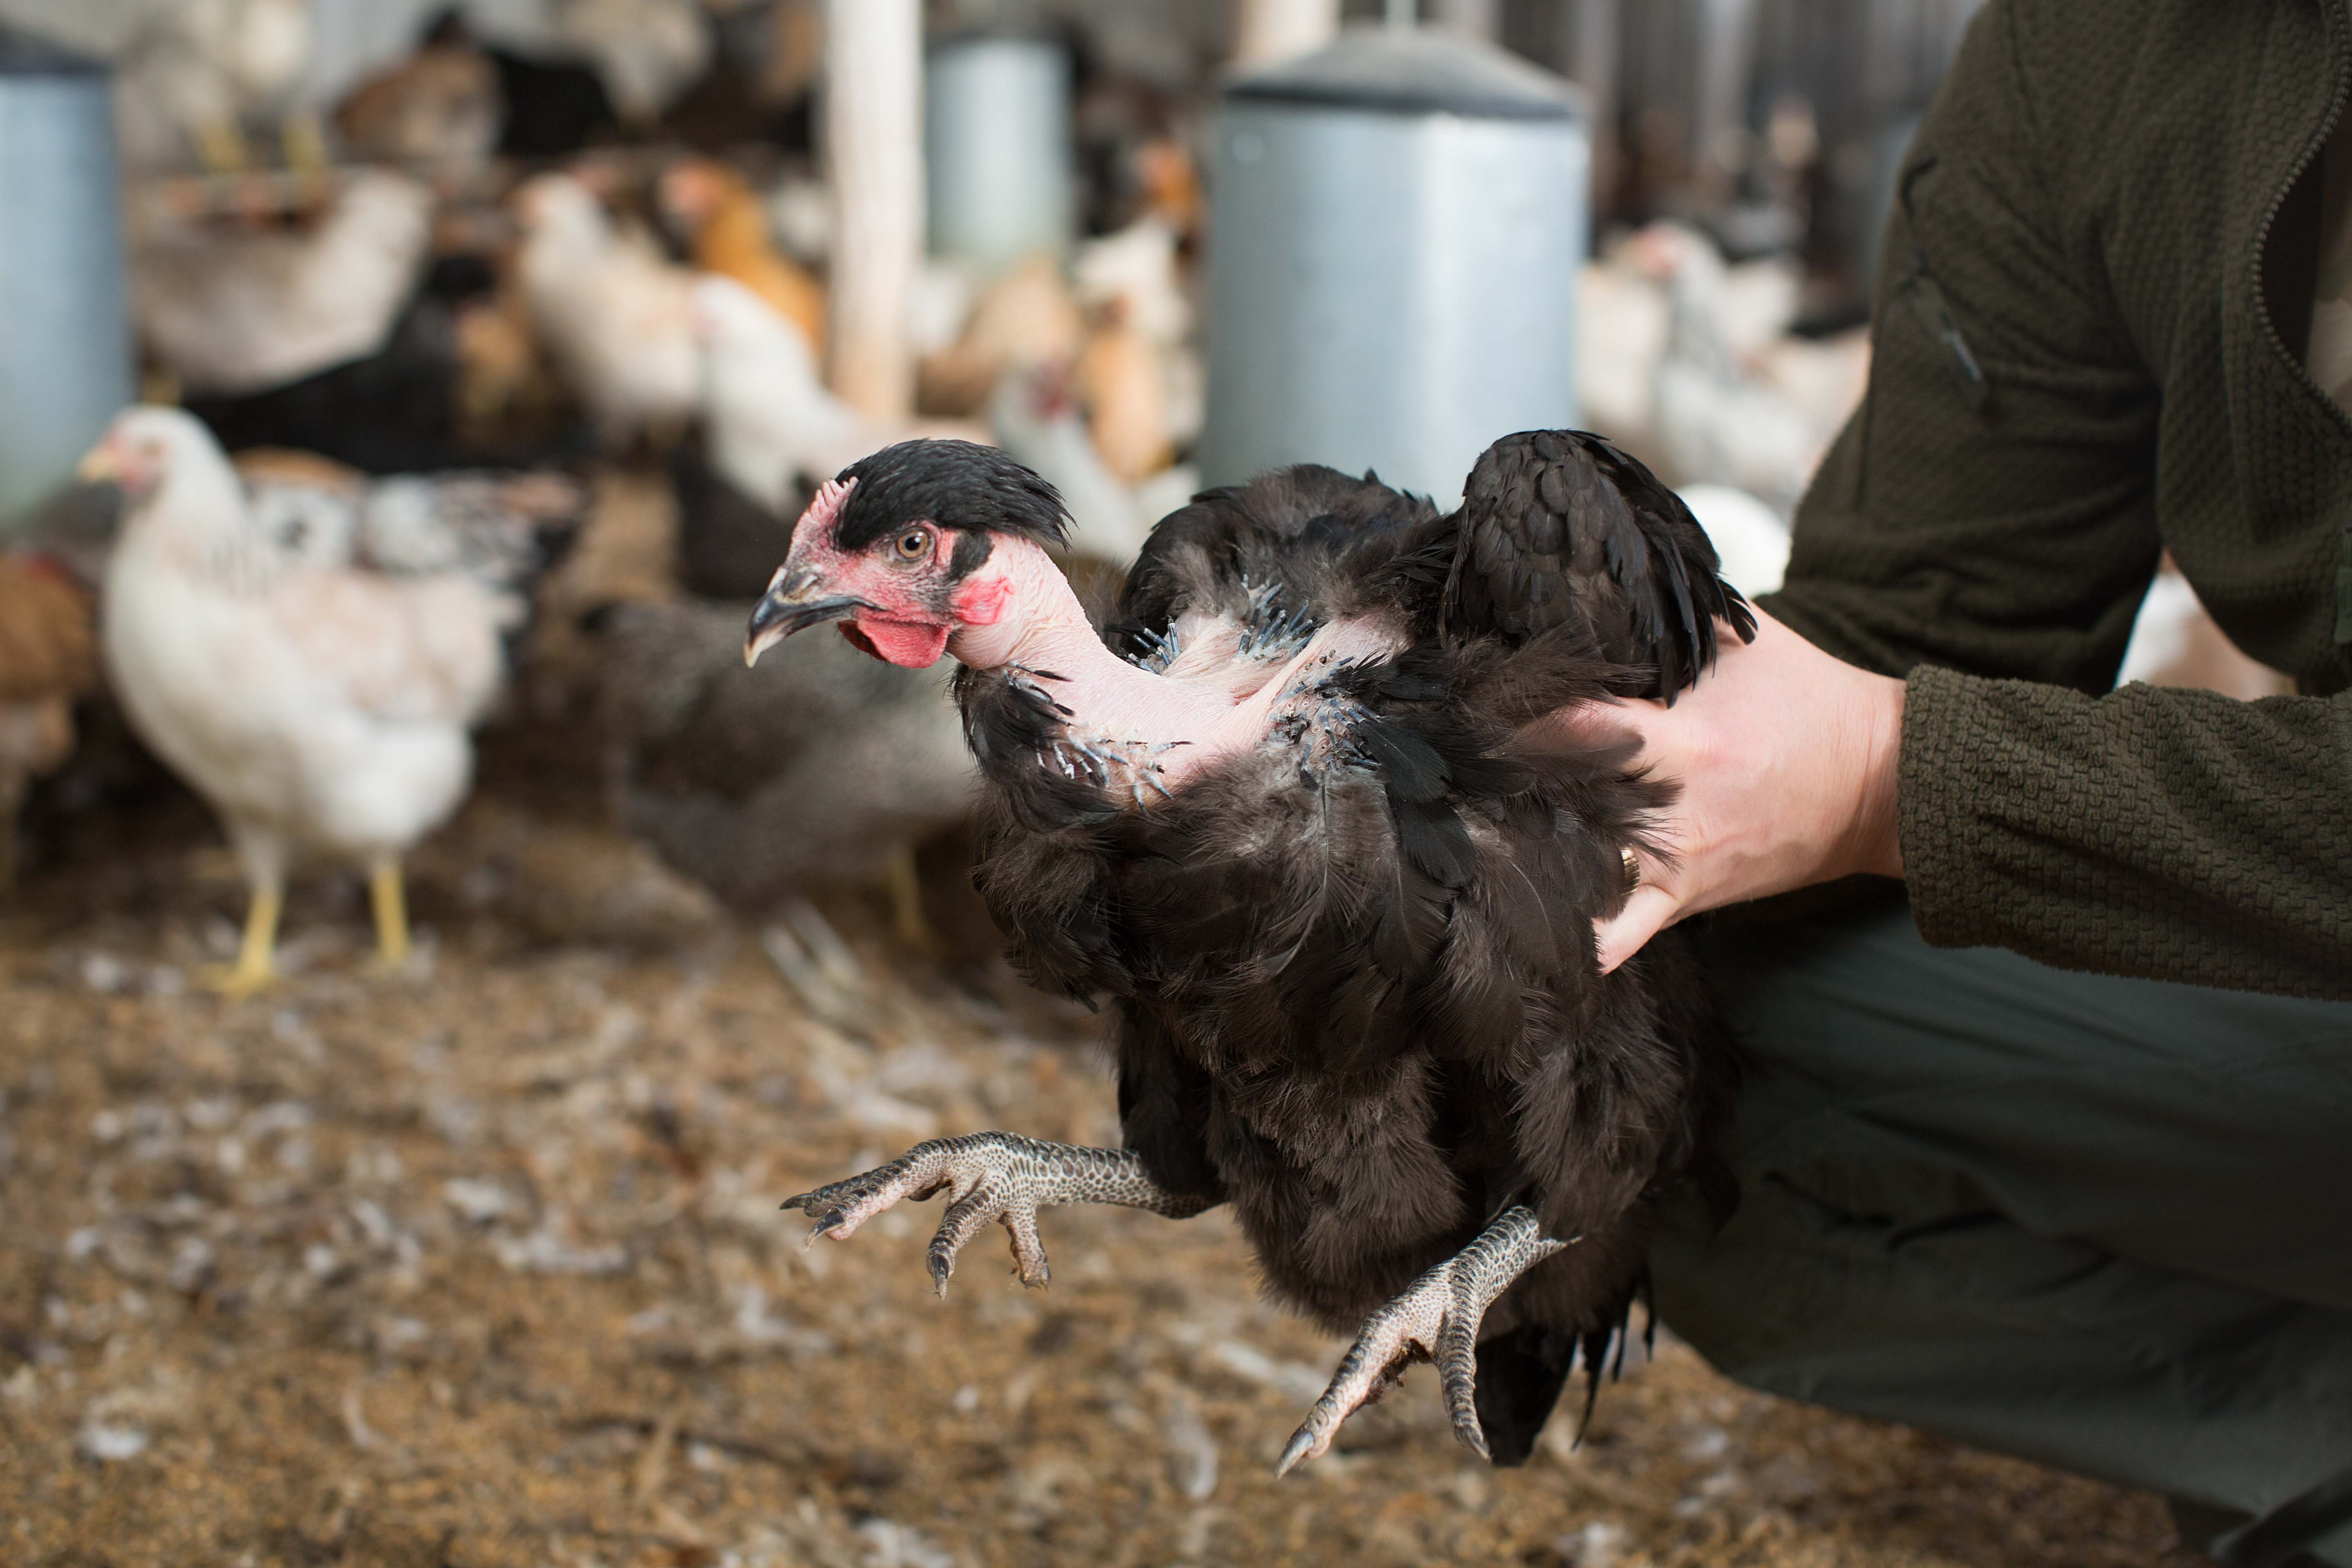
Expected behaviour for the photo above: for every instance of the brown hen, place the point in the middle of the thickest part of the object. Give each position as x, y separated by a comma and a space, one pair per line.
49, 657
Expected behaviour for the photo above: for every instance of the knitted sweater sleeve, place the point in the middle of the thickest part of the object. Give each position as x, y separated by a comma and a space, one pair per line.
2169, 834
1986, 525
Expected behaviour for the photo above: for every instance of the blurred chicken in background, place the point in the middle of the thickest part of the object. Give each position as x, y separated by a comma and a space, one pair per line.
830, 767
764, 60
1023, 319
647, 51
1139, 378
225, 306
439, 107
1034, 418
1737, 399
1124, 390
197, 73
2175, 641
313, 678
458, 383
48, 660
726, 230
771, 431
772, 423
614, 317
1691, 363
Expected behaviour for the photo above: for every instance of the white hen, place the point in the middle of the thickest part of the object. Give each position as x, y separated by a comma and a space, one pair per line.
233, 310
193, 71
648, 51
616, 317
1689, 362
770, 419
314, 706
1033, 419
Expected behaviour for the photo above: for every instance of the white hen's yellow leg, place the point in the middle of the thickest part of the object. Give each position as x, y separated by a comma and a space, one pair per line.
389, 895
304, 141
907, 898
221, 146
255, 968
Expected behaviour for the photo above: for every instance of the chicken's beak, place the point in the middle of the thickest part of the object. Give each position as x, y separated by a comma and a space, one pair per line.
100, 464
793, 603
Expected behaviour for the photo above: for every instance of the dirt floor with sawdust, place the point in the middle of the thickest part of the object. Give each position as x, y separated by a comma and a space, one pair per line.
481, 1263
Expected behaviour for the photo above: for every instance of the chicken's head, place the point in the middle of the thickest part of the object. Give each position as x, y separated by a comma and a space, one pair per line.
902, 548
142, 448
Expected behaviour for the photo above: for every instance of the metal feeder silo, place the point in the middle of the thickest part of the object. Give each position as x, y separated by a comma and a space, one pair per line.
1397, 223
997, 184
65, 332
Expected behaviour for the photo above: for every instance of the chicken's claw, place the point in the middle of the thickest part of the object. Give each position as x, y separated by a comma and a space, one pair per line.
1436, 1319
989, 1177
235, 982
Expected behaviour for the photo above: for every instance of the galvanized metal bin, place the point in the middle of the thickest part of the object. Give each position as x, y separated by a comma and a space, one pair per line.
1397, 226
65, 330
998, 182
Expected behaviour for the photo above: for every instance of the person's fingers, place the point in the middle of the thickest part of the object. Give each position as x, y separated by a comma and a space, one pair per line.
1649, 910
1608, 723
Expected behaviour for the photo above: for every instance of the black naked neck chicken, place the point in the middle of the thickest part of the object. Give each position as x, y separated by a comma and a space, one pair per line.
1304, 811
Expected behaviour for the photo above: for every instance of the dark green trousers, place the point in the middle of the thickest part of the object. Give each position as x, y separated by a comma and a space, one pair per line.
2103, 1223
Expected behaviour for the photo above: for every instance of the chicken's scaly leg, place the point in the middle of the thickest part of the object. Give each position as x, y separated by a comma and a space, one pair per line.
992, 1176
1436, 1319
389, 898
907, 898
254, 969
303, 139
221, 146
12, 802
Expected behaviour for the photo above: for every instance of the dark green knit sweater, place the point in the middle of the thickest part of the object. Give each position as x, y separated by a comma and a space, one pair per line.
2088, 348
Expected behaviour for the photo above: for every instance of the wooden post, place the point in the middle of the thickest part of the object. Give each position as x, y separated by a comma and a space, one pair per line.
874, 154
1278, 30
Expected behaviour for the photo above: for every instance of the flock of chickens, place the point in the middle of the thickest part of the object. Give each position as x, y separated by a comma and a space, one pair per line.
306, 583
515, 269
1354, 987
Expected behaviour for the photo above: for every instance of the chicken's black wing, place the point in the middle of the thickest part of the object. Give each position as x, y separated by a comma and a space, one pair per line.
1558, 527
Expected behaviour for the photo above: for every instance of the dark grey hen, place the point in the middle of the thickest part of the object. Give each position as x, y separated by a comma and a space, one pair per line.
1287, 813
822, 766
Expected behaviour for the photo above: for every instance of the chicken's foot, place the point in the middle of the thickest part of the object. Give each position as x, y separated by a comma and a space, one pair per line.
254, 969
1436, 1319
388, 896
992, 1176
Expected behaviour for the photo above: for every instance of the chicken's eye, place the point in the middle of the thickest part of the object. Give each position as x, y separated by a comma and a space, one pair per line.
913, 544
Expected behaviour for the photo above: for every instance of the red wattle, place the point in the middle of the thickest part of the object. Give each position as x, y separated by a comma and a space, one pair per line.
911, 645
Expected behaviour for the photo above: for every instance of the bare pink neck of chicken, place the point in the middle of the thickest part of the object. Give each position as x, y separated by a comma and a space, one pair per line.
1018, 610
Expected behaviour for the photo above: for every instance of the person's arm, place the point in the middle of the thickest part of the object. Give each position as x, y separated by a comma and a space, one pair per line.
1989, 509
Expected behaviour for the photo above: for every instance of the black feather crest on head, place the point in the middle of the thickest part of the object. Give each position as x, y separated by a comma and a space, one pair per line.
959, 485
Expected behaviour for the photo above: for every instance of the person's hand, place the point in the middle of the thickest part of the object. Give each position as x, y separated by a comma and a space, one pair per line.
1785, 763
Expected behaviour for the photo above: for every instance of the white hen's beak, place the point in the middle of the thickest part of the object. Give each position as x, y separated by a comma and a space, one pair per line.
101, 463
